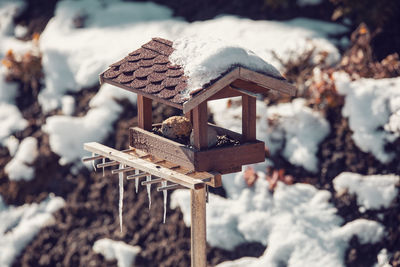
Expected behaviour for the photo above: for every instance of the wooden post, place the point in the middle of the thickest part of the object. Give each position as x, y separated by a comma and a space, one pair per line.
145, 116
189, 116
198, 228
248, 118
200, 127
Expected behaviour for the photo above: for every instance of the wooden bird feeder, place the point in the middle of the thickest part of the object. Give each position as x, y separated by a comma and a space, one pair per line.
148, 72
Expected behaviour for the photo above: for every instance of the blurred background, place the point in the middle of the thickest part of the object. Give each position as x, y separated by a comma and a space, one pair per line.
327, 193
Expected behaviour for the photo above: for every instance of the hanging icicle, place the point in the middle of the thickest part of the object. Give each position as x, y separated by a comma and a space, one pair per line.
104, 161
137, 181
148, 178
165, 194
93, 162
121, 194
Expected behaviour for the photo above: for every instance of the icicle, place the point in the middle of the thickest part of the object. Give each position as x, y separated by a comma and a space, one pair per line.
93, 162
121, 195
165, 193
104, 161
137, 181
148, 178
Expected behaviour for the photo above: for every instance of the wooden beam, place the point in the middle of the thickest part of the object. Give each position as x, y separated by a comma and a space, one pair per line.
267, 81
200, 127
144, 165
248, 118
145, 113
225, 93
211, 90
198, 227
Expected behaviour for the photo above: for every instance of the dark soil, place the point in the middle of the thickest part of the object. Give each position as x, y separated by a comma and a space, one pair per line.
91, 210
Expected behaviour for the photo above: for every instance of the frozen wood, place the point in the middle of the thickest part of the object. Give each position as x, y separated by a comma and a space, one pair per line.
92, 158
135, 176
154, 181
170, 187
127, 169
131, 160
107, 164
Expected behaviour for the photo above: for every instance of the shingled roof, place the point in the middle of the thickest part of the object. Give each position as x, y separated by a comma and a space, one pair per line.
149, 72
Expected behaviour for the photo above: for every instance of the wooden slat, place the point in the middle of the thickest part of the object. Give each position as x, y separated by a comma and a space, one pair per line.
198, 228
200, 127
161, 147
248, 118
267, 81
225, 93
143, 165
210, 91
230, 158
144, 110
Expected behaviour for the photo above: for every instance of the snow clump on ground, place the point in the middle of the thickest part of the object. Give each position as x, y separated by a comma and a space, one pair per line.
117, 250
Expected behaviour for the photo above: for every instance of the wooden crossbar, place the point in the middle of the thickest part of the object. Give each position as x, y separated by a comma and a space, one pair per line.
134, 161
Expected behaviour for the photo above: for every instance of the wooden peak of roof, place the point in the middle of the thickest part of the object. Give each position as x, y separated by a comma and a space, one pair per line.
147, 71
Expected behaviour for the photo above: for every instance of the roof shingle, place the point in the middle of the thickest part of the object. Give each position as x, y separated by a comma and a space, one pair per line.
148, 69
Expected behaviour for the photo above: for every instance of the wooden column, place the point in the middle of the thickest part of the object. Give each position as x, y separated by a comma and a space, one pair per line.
189, 115
145, 116
248, 118
200, 126
198, 227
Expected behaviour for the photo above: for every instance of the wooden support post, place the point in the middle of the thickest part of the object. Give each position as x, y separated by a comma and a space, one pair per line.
200, 127
198, 228
248, 118
189, 116
145, 116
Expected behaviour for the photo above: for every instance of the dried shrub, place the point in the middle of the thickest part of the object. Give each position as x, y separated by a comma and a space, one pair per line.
25, 69
359, 61
273, 176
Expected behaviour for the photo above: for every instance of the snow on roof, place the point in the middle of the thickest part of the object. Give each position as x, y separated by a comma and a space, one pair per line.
204, 59
175, 72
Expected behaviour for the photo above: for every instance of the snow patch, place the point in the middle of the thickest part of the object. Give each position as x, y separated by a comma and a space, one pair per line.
112, 30
19, 225
204, 59
12, 144
372, 191
292, 129
67, 105
20, 167
11, 120
116, 250
373, 109
67, 134
293, 222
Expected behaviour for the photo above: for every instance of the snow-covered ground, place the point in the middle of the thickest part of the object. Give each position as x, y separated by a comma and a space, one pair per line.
292, 129
116, 250
297, 223
373, 109
19, 225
